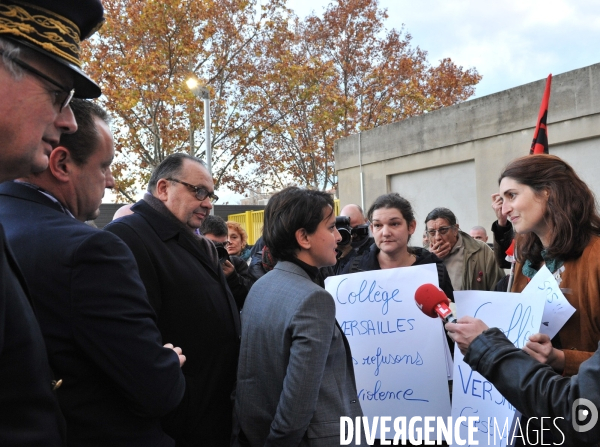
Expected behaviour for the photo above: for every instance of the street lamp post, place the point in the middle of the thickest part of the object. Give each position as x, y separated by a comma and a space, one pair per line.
202, 92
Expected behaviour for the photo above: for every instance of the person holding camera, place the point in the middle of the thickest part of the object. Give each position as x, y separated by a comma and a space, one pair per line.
235, 268
354, 229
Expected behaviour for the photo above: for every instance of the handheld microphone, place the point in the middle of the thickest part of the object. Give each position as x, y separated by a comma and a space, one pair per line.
433, 302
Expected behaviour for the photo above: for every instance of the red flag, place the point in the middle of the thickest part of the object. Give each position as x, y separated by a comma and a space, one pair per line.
510, 251
540, 136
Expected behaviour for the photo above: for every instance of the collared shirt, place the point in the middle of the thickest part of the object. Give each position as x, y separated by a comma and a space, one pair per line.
49, 195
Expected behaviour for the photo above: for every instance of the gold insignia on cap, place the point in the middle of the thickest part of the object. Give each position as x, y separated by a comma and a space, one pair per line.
43, 28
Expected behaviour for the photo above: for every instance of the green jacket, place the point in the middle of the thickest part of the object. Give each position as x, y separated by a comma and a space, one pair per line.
480, 270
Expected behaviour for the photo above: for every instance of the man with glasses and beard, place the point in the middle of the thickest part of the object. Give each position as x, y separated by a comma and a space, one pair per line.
470, 263
189, 292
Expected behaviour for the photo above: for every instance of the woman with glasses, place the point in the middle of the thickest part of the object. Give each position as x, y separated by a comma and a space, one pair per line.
392, 224
470, 263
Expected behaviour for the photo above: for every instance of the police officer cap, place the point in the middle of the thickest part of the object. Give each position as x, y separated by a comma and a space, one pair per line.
55, 29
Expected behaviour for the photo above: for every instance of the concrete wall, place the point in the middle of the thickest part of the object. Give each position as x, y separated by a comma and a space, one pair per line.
453, 157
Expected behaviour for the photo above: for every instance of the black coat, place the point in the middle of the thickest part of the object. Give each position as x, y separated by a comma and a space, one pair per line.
29, 413
99, 328
239, 281
503, 237
196, 311
359, 250
539, 392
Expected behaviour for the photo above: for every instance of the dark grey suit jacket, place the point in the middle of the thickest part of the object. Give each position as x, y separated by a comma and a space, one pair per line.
99, 329
295, 373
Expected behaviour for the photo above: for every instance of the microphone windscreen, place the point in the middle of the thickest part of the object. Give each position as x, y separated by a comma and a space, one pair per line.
428, 297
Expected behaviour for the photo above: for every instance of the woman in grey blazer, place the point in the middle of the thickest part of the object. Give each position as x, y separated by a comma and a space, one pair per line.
295, 375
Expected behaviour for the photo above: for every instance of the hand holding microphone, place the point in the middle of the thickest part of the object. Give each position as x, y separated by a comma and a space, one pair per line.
433, 302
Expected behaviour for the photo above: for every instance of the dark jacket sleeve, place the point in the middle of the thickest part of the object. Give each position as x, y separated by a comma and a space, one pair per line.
444, 280
503, 237
256, 270
239, 281
535, 389
113, 322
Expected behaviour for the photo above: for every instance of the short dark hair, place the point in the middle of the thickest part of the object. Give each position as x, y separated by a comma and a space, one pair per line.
170, 167
289, 210
441, 213
84, 142
393, 200
571, 208
214, 225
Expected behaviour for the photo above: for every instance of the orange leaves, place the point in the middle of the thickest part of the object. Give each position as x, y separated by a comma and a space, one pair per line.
282, 89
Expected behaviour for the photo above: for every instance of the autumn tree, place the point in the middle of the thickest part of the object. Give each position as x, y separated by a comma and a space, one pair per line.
282, 89
355, 75
144, 54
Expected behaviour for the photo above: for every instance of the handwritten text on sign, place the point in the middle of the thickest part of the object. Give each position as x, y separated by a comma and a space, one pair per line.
398, 352
557, 309
518, 316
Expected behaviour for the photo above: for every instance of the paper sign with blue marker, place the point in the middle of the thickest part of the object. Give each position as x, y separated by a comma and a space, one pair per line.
519, 316
398, 352
557, 310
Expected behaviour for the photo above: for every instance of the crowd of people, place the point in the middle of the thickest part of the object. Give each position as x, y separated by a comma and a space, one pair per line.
165, 329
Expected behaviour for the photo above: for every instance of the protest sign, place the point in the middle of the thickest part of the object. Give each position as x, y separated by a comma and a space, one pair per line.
557, 309
398, 352
519, 316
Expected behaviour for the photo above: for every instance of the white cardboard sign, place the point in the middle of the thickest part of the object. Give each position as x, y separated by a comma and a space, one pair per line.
557, 309
398, 352
519, 316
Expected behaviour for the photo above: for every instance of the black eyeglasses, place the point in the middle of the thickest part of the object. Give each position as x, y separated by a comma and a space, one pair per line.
62, 97
200, 193
441, 230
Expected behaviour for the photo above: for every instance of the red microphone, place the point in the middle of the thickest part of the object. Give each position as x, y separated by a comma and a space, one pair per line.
433, 302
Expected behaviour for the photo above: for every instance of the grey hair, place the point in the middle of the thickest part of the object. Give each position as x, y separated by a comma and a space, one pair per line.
479, 228
10, 51
441, 213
